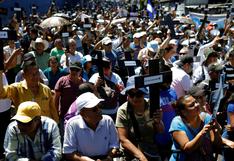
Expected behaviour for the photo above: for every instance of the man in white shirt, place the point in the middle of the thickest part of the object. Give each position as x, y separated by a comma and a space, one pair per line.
181, 80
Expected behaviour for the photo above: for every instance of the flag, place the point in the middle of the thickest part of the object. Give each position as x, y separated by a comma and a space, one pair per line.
150, 10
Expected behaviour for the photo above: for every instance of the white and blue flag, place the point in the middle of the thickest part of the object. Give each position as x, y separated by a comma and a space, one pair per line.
150, 10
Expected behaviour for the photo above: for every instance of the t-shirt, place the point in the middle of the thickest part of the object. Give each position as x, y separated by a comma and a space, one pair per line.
178, 125
145, 125
181, 81
68, 93
57, 53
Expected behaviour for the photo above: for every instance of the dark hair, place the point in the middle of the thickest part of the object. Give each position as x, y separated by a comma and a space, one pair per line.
85, 87
135, 93
53, 57
168, 48
179, 105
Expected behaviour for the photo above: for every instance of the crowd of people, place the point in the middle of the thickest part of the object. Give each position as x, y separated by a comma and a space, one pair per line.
71, 97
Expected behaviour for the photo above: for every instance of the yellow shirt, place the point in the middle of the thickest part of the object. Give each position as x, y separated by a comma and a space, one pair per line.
19, 92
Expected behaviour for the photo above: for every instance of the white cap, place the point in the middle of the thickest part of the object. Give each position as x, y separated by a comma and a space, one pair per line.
173, 42
137, 35
106, 40
153, 46
87, 100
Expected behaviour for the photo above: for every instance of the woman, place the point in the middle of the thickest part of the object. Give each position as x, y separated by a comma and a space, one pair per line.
53, 72
193, 132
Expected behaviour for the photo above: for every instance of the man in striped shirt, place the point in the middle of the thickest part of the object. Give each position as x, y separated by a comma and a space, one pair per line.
31, 136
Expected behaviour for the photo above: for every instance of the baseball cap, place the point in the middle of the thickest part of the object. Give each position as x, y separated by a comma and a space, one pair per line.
86, 58
27, 111
87, 100
209, 52
137, 35
196, 91
28, 56
76, 65
185, 59
153, 46
131, 84
106, 41
215, 67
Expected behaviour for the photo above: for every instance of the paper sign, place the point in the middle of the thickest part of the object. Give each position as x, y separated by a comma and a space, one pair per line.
3, 35
130, 63
153, 80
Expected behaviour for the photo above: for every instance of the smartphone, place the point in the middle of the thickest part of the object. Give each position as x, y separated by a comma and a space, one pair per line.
17, 44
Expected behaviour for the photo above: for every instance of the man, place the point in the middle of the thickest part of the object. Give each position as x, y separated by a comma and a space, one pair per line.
31, 136
135, 127
181, 81
58, 49
66, 90
41, 56
201, 72
30, 57
30, 89
109, 88
90, 135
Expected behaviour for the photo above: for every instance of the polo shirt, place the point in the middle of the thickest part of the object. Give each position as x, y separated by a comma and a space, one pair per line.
19, 92
79, 137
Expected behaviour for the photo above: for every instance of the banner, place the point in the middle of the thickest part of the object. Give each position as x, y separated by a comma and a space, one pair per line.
219, 19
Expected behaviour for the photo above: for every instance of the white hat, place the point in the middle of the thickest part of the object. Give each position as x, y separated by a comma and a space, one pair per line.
106, 40
173, 42
131, 84
153, 46
40, 40
87, 100
137, 35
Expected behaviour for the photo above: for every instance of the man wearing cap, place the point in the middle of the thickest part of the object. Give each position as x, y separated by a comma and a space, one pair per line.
135, 113
136, 45
30, 89
40, 46
201, 72
30, 57
66, 90
90, 135
148, 52
31, 136
181, 81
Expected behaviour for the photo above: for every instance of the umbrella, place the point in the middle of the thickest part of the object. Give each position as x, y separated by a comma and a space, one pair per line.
184, 20
54, 22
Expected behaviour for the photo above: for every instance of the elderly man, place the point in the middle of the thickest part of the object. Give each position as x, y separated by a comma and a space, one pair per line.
32, 136
90, 135
30, 89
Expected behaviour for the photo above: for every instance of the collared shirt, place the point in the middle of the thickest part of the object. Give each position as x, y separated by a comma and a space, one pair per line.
45, 146
19, 92
79, 137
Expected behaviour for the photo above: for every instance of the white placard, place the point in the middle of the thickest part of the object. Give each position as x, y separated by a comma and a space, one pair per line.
153, 80
65, 34
130, 63
17, 9
3, 35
